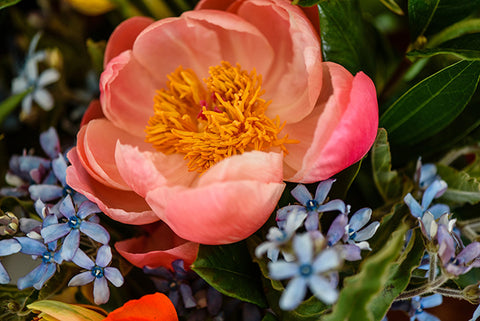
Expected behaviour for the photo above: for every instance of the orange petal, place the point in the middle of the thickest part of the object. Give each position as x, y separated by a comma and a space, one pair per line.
160, 248
150, 307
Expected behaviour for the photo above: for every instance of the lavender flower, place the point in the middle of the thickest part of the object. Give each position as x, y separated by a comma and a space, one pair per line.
435, 190
98, 273
467, 259
307, 272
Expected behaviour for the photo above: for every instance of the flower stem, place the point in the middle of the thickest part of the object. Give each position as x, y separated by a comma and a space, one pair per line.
433, 267
453, 293
427, 288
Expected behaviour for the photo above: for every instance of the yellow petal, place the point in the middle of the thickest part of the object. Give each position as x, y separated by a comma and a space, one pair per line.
55, 310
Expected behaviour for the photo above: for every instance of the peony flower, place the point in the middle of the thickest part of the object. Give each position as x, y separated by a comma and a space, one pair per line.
202, 117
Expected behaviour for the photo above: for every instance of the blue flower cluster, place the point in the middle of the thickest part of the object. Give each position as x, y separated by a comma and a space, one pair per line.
55, 235
311, 260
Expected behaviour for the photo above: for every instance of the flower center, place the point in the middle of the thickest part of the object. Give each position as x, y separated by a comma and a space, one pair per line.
97, 271
47, 257
305, 270
209, 124
74, 222
311, 205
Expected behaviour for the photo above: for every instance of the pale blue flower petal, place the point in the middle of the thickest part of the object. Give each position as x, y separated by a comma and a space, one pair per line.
282, 270
82, 279
293, 294
428, 174
51, 268
327, 260
82, 260
70, 245
113, 275
59, 167
45, 192
333, 205
469, 253
9, 246
351, 252
425, 316
47, 77
32, 278
476, 314
438, 210
284, 212
323, 189
413, 205
67, 208
301, 194
50, 142
311, 222
104, 256
4, 277
187, 297
337, 229
101, 293
432, 301
303, 248
367, 232
43, 98
31, 246
54, 232
95, 232
436, 189
322, 289
87, 208
27, 104
360, 218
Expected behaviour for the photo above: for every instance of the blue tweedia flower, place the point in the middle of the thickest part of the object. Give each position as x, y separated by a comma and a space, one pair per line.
7, 247
435, 190
175, 284
42, 273
311, 206
467, 259
356, 232
76, 222
30, 79
277, 237
476, 314
418, 304
98, 273
425, 174
317, 273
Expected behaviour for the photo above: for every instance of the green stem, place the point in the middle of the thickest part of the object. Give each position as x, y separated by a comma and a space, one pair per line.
433, 267
457, 294
427, 288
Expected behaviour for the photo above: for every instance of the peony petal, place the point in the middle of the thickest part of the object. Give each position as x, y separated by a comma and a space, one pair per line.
220, 213
160, 248
124, 36
151, 306
144, 171
294, 81
123, 206
126, 93
96, 148
346, 125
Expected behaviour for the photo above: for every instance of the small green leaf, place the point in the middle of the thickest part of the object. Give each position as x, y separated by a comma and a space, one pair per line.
305, 3
388, 182
399, 276
345, 37
454, 31
465, 47
420, 14
429, 106
8, 105
462, 188
393, 6
230, 270
8, 3
360, 289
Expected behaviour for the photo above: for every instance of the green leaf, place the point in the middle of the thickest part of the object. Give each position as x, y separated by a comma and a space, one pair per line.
14, 301
389, 183
8, 3
8, 105
430, 16
393, 6
399, 276
230, 270
462, 188
465, 47
429, 106
359, 290
344, 36
305, 3
454, 31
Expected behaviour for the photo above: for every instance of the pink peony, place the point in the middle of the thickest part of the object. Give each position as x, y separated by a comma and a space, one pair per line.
203, 117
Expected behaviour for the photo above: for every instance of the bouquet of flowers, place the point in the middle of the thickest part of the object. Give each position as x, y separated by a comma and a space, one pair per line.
240, 160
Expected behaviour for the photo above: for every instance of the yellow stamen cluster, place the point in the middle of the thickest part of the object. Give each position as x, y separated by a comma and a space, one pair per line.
208, 125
